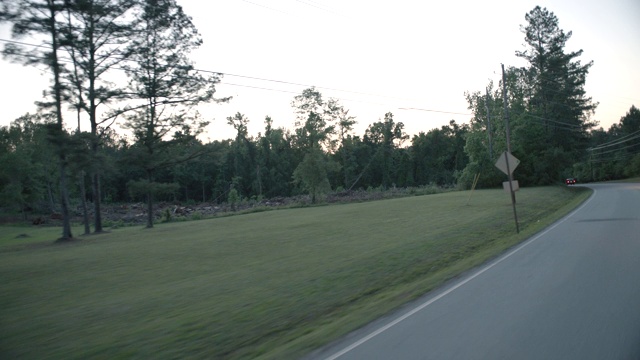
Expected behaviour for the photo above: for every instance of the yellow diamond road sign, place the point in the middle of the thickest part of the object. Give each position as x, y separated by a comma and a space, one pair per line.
501, 163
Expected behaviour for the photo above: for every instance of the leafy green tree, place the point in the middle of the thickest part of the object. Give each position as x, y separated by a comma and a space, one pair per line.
233, 198
311, 174
244, 156
114, 152
630, 126
26, 158
345, 122
168, 87
630, 123
276, 159
196, 177
386, 136
439, 154
527, 137
313, 125
314, 132
360, 157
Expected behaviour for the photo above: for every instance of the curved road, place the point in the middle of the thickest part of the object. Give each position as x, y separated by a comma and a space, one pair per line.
571, 292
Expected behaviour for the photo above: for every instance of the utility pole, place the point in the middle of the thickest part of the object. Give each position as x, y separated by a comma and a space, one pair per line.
506, 122
593, 174
486, 105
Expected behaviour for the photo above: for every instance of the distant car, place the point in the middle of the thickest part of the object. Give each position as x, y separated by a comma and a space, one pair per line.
570, 181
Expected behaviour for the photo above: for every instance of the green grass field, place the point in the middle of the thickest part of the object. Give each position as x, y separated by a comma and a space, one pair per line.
274, 284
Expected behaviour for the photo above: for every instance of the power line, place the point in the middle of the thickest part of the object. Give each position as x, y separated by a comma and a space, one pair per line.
559, 91
614, 150
259, 88
311, 3
616, 157
617, 141
560, 125
567, 125
308, 85
287, 91
264, 6
265, 79
572, 126
283, 82
438, 111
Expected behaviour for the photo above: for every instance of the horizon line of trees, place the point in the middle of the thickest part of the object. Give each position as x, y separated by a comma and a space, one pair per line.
550, 115
262, 166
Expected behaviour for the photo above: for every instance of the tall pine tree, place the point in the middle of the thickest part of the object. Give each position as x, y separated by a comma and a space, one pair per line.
167, 87
42, 18
95, 35
557, 109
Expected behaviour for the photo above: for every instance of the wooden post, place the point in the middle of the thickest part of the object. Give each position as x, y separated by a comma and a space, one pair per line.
506, 121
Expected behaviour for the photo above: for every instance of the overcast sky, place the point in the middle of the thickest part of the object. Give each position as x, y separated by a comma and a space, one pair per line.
378, 57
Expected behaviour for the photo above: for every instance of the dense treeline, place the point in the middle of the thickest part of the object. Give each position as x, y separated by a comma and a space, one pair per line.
46, 166
256, 167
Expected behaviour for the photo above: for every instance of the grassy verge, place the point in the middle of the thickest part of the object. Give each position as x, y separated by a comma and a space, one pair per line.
630, 180
15, 237
274, 284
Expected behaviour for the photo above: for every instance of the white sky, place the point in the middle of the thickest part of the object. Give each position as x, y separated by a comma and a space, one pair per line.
378, 56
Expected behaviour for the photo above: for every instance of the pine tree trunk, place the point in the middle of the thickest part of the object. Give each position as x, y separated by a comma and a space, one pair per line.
149, 201
85, 210
259, 180
52, 205
344, 165
149, 209
64, 195
57, 90
95, 190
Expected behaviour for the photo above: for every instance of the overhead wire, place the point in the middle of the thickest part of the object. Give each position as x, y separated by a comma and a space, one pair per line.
614, 150
256, 78
438, 111
264, 6
562, 125
311, 3
558, 91
286, 83
547, 101
308, 85
568, 125
617, 141
615, 158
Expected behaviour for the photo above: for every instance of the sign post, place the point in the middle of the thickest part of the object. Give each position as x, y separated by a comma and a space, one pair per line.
507, 154
507, 163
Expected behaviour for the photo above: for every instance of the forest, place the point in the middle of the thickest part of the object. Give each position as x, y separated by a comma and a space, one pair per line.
47, 165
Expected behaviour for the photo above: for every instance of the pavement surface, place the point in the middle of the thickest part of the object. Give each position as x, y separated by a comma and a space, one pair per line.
570, 292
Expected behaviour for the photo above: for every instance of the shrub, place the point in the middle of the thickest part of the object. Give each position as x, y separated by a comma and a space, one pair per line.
196, 216
166, 215
233, 198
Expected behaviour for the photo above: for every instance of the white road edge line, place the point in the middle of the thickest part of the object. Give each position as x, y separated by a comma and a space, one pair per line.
450, 290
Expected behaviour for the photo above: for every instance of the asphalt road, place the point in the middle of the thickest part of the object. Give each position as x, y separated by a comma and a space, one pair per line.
571, 292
